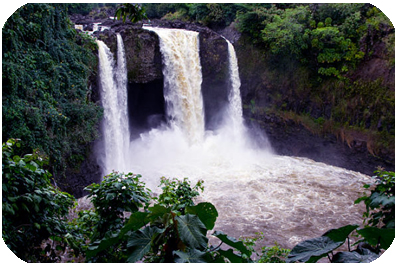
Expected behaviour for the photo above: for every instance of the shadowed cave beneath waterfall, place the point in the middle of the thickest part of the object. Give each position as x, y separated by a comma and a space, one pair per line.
146, 104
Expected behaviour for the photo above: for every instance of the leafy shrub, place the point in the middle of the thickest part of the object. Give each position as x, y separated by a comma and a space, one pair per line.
274, 254
380, 204
178, 194
33, 209
165, 226
116, 194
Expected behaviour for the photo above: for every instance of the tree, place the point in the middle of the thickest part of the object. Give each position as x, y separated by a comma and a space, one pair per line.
134, 12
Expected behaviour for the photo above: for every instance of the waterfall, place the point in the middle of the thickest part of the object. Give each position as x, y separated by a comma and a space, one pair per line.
114, 101
287, 198
182, 81
235, 108
121, 78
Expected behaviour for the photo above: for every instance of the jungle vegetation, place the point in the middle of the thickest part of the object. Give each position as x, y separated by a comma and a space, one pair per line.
46, 94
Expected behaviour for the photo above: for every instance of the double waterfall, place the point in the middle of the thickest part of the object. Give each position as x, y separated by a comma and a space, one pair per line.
113, 84
289, 199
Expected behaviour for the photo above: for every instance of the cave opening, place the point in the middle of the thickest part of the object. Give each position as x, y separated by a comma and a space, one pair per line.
146, 106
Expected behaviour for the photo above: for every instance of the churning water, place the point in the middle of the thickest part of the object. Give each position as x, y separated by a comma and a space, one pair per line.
289, 199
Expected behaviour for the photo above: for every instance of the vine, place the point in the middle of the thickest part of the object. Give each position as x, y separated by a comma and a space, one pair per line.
46, 93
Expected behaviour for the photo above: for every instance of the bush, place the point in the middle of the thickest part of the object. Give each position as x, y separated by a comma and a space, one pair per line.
116, 194
33, 210
114, 198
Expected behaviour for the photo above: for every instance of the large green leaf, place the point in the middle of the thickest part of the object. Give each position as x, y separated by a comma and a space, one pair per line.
109, 240
206, 212
354, 257
192, 231
378, 199
140, 242
340, 234
137, 220
192, 256
231, 256
157, 211
312, 250
374, 235
239, 245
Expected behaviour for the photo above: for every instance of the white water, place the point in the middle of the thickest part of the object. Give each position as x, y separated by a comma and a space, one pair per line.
114, 101
235, 110
182, 81
289, 199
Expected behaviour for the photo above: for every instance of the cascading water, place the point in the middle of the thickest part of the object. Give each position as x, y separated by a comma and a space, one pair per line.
288, 199
235, 108
182, 81
114, 101
121, 79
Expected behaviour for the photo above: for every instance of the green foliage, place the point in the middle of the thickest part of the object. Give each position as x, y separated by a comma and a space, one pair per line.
80, 8
172, 229
116, 194
314, 249
326, 37
273, 254
180, 14
46, 95
178, 194
134, 12
380, 204
378, 232
355, 257
33, 210
209, 14
286, 30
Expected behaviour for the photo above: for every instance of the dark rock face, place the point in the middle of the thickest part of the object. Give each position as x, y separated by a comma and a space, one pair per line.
144, 66
88, 173
292, 139
146, 106
259, 81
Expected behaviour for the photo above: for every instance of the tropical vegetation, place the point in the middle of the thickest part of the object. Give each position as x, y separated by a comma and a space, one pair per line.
47, 99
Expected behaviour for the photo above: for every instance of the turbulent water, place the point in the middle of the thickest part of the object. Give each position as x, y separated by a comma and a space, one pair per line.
289, 199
